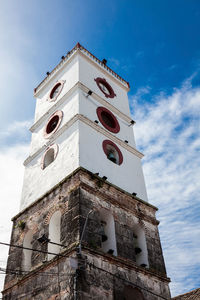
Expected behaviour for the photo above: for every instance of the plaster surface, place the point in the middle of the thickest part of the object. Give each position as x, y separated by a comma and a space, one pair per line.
37, 181
128, 176
88, 72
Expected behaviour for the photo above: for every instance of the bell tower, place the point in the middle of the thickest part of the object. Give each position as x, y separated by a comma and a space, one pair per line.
85, 229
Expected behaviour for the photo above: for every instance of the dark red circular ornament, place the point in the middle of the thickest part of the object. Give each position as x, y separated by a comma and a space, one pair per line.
112, 152
56, 90
105, 87
108, 120
53, 123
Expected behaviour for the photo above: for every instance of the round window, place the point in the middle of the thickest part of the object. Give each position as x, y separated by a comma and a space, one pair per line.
105, 87
56, 90
53, 123
112, 152
108, 120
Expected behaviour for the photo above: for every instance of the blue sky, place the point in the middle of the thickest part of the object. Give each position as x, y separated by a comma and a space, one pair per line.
155, 45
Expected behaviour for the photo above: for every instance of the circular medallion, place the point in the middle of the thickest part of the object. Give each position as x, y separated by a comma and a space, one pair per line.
56, 90
53, 123
112, 152
108, 120
105, 87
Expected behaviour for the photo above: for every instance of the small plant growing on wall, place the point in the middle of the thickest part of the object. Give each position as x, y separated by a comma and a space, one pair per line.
21, 225
99, 183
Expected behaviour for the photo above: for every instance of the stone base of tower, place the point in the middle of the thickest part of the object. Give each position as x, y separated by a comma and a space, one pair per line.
118, 256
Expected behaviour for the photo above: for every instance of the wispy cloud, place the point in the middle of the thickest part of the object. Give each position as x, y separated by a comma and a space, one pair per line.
11, 162
125, 64
168, 132
140, 54
172, 67
15, 134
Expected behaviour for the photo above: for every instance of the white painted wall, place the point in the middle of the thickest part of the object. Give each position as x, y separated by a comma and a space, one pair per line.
79, 103
88, 71
27, 254
128, 175
54, 234
109, 228
37, 181
80, 145
142, 257
70, 73
88, 106
70, 108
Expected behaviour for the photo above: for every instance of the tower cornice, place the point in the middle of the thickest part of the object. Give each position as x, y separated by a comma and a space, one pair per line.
82, 171
81, 86
85, 53
91, 124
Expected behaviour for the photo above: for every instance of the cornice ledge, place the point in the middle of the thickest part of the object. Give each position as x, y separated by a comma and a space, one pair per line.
58, 68
84, 52
105, 69
53, 108
110, 136
123, 261
91, 124
68, 94
105, 103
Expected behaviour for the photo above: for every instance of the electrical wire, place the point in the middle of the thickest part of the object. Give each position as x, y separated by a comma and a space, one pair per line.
22, 272
31, 249
89, 264
129, 282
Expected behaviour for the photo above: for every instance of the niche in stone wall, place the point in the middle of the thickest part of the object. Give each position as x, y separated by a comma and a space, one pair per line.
107, 232
54, 234
132, 293
140, 246
27, 254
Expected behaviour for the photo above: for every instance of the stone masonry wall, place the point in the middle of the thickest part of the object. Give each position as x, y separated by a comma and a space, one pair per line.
75, 197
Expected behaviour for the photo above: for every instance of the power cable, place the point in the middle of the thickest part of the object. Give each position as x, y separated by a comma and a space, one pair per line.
22, 272
46, 252
31, 249
129, 282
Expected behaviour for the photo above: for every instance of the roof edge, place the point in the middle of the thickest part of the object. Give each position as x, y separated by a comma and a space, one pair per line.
78, 46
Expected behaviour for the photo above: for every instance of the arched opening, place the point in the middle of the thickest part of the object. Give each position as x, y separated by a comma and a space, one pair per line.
112, 152
54, 234
27, 254
132, 293
140, 246
49, 156
107, 232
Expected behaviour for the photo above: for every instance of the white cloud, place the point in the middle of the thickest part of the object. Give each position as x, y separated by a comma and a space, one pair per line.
11, 162
168, 132
17, 129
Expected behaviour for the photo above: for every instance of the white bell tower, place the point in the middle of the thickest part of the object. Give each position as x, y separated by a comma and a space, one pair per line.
82, 119
85, 229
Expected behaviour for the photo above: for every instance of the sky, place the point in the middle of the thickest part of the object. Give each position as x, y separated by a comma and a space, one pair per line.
155, 45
